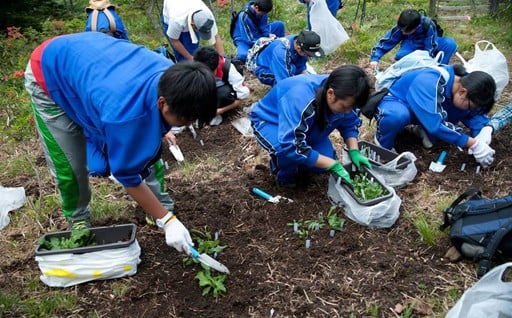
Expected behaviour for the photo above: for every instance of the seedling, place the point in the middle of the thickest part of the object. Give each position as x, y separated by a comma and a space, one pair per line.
335, 222
211, 284
205, 243
77, 238
366, 188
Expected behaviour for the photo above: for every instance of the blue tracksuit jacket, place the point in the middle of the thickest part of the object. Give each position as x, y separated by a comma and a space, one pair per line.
419, 40
114, 99
246, 31
285, 126
422, 97
279, 61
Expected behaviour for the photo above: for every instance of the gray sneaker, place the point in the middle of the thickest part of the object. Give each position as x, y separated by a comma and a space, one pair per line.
420, 133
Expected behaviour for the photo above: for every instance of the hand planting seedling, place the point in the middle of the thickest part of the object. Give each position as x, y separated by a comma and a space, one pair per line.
366, 188
213, 284
77, 238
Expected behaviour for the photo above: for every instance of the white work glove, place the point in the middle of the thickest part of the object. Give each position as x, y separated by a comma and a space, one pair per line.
483, 153
485, 135
177, 236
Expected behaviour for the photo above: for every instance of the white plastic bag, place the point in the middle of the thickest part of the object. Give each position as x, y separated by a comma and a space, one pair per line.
489, 59
490, 297
10, 199
331, 32
64, 270
382, 214
396, 177
392, 175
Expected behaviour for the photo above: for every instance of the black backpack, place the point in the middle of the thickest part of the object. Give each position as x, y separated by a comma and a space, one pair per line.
234, 18
430, 21
226, 95
481, 229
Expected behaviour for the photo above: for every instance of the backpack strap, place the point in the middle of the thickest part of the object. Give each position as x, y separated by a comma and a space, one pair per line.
225, 69
111, 20
485, 263
469, 193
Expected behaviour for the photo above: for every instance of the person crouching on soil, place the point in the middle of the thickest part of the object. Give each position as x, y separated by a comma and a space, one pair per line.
124, 96
434, 105
294, 120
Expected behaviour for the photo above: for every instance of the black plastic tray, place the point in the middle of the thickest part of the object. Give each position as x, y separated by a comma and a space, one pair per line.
353, 172
385, 155
105, 237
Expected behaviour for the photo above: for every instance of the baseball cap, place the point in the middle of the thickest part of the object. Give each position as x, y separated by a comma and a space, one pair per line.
309, 42
203, 21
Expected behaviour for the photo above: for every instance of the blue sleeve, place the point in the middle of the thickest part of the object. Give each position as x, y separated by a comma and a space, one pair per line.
475, 123
425, 101
349, 127
386, 44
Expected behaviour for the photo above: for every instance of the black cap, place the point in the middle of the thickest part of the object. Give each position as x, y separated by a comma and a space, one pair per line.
309, 42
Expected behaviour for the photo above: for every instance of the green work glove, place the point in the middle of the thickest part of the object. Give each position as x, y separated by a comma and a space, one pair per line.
358, 159
338, 170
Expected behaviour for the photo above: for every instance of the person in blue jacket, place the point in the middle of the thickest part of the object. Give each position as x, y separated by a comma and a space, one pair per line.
286, 57
413, 33
437, 105
294, 120
252, 24
92, 89
105, 19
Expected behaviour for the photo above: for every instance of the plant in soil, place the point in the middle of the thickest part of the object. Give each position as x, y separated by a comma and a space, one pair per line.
211, 284
205, 243
77, 238
335, 222
366, 188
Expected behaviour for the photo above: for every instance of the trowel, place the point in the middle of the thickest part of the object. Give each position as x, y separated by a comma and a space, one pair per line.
208, 261
176, 152
438, 165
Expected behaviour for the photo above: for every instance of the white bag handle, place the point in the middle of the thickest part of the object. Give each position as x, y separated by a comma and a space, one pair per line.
487, 45
393, 163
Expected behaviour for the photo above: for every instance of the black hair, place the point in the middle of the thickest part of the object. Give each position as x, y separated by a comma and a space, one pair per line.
208, 56
346, 81
264, 5
190, 91
409, 20
481, 88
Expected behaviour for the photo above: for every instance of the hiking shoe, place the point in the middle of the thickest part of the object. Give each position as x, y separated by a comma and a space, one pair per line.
418, 131
79, 225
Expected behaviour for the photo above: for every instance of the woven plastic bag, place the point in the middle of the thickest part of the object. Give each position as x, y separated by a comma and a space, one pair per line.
489, 59
68, 269
382, 214
490, 297
330, 30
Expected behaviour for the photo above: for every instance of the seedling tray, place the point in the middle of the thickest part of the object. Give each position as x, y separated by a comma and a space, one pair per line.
105, 237
379, 156
353, 172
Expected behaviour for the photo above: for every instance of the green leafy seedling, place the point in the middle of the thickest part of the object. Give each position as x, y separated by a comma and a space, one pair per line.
77, 238
366, 188
335, 222
205, 243
302, 231
211, 284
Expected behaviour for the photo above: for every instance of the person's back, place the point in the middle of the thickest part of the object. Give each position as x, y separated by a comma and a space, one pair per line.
102, 17
413, 32
286, 57
252, 24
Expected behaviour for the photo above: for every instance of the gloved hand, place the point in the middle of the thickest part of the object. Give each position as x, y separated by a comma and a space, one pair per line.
375, 66
338, 169
358, 159
485, 135
177, 236
483, 153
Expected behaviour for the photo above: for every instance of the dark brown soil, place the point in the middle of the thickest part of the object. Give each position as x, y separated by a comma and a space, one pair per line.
360, 271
